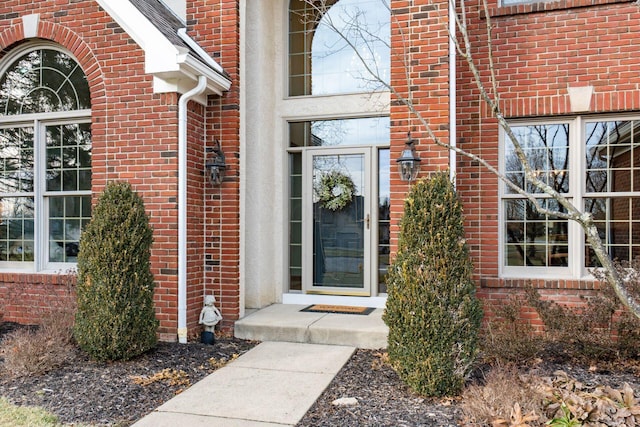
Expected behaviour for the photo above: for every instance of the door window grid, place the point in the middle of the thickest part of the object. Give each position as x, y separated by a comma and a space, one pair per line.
384, 218
295, 221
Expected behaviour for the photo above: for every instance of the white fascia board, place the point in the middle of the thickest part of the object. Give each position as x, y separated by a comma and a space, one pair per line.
216, 82
165, 61
182, 33
137, 26
168, 83
184, 78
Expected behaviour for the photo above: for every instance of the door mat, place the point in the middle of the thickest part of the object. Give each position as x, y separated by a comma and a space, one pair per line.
337, 309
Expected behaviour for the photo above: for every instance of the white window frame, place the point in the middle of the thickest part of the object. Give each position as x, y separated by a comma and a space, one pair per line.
39, 121
577, 193
328, 106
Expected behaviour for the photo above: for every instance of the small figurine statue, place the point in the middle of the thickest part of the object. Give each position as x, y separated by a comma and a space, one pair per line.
209, 317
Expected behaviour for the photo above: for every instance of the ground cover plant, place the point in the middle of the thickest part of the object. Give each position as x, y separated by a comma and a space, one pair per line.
495, 396
34, 350
509, 398
600, 329
11, 415
568, 375
82, 390
95, 393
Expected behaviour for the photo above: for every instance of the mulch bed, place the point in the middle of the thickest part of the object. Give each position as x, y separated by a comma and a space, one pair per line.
84, 391
384, 400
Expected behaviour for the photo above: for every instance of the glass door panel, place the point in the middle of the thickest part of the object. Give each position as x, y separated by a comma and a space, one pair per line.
384, 218
338, 229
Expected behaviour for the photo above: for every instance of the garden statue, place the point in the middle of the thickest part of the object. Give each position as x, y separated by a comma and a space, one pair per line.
209, 317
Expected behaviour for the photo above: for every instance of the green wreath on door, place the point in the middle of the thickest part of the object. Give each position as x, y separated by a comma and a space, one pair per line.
335, 190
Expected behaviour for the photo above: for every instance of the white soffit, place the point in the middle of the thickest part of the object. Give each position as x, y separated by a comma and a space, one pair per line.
173, 67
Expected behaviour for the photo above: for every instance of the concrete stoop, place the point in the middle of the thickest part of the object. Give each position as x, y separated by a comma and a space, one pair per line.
285, 322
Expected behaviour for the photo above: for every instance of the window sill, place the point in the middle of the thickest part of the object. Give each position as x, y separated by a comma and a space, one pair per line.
532, 273
29, 277
547, 6
540, 283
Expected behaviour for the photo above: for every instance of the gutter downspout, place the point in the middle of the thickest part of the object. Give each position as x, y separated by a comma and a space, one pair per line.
182, 205
452, 93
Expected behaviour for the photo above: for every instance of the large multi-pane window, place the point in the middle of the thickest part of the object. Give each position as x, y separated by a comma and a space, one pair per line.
612, 181
45, 158
338, 50
596, 165
338, 47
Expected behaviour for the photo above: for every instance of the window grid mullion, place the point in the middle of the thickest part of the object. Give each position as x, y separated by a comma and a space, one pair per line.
40, 154
577, 168
70, 207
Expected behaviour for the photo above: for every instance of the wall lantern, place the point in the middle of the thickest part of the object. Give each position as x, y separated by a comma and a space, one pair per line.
215, 165
409, 162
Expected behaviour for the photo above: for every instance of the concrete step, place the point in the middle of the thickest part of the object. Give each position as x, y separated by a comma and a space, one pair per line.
285, 322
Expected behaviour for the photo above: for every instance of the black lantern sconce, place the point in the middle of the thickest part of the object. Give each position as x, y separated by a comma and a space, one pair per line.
409, 162
216, 165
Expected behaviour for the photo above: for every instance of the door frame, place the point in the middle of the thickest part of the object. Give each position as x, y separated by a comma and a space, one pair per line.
369, 215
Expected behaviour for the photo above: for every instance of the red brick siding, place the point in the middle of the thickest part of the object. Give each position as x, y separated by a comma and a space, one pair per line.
217, 26
493, 299
24, 298
196, 187
537, 56
134, 139
426, 63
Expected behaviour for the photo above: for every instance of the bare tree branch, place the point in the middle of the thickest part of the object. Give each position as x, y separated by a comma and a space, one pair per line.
464, 47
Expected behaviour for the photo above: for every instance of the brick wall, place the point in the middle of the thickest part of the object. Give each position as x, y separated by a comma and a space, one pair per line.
134, 138
217, 26
539, 51
420, 74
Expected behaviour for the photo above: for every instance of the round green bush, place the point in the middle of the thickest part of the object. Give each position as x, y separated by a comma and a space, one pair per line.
432, 311
116, 316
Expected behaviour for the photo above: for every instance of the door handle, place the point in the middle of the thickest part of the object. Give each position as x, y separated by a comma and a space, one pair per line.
366, 221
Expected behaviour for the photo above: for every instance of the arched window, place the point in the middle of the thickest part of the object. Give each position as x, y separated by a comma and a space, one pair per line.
45, 158
338, 47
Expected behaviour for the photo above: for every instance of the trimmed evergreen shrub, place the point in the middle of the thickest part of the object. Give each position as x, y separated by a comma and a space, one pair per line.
116, 316
432, 311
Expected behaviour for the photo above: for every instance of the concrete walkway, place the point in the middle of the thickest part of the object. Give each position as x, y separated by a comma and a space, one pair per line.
273, 384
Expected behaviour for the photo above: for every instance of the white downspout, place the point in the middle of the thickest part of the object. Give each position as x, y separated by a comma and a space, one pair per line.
182, 206
452, 92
